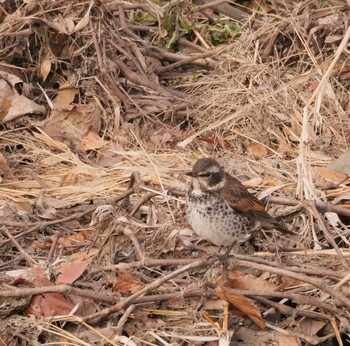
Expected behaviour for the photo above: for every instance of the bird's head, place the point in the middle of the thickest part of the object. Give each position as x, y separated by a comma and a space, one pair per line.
207, 175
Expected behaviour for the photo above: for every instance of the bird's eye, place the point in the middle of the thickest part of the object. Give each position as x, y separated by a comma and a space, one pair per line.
205, 175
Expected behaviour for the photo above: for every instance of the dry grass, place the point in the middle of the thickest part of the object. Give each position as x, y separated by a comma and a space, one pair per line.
271, 107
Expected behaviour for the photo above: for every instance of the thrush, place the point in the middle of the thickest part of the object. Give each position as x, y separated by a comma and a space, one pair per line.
221, 210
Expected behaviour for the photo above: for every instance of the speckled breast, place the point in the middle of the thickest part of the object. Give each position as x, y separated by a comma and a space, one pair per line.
212, 219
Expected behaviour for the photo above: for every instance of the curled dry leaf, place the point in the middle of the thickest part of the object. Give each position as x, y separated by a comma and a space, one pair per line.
244, 281
92, 141
45, 68
71, 126
64, 98
43, 210
257, 150
85, 20
127, 283
62, 25
12, 104
242, 304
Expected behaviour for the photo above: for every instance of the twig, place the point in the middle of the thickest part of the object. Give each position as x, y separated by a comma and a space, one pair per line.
143, 200
164, 55
287, 310
329, 238
29, 260
129, 233
231, 12
54, 244
190, 44
323, 207
9, 264
209, 4
122, 320
297, 298
74, 216
323, 272
321, 284
149, 262
95, 318
95, 296
189, 60
17, 224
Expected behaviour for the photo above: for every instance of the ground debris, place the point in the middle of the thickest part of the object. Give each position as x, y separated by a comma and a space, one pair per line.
104, 105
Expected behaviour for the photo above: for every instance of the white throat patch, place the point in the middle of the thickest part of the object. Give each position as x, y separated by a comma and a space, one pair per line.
196, 190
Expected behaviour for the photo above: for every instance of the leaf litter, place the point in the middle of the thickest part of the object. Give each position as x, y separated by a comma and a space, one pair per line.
105, 106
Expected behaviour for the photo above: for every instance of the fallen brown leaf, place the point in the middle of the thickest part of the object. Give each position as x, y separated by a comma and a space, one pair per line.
69, 272
242, 304
127, 283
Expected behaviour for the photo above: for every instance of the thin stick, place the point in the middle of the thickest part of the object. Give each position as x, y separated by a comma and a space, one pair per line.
320, 284
29, 260
95, 318
329, 238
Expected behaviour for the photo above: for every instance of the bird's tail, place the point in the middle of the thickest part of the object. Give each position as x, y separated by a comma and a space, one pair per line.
266, 221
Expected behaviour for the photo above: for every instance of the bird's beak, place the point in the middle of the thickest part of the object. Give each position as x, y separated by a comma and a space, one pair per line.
190, 173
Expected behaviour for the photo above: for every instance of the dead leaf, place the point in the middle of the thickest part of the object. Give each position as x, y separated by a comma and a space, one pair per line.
311, 327
41, 244
84, 255
108, 156
257, 150
54, 203
62, 25
286, 149
243, 281
45, 68
43, 210
242, 304
47, 304
69, 272
76, 238
127, 283
342, 164
251, 337
216, 142
326, 178
92, 141
70, 127
288, 340
161, 137
312, 86
12, 104
65, 96
214, 304
85, 20
333, 39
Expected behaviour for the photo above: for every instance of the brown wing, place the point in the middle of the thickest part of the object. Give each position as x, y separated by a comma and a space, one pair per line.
238, 197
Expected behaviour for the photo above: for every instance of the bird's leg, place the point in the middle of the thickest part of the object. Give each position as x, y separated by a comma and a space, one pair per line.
224, 258
227, 253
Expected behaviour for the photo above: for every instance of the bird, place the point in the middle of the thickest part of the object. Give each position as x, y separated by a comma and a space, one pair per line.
221, 209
